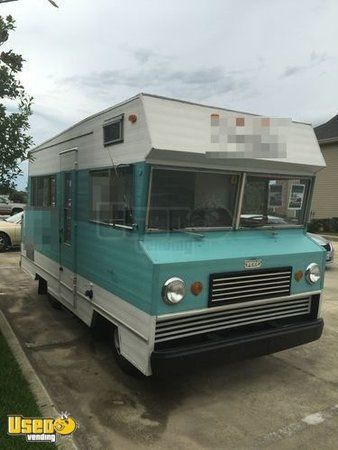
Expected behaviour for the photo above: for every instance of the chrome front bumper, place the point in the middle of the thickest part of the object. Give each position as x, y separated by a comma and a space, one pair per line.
172, 327
238, 347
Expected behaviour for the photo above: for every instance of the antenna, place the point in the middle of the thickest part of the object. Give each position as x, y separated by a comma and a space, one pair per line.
53, 3
50, 1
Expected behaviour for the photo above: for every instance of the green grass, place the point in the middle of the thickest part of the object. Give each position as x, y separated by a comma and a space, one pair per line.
15, 398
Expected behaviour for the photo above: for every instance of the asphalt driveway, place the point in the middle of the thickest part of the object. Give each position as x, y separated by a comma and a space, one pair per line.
288, 400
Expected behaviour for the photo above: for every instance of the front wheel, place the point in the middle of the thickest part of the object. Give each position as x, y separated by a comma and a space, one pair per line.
124, 364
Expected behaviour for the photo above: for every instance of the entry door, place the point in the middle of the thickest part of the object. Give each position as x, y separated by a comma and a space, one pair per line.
67, 262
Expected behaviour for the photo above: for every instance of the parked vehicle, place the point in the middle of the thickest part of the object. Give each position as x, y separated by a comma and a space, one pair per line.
10, 231
7, 207
142, 217
326, 244
267, 220
272, 220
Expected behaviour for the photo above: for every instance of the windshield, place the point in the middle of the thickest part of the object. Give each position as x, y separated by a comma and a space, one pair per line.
274, 201
182, 199
15, 218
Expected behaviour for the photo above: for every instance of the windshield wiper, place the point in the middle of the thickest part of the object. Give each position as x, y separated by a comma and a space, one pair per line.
190, 232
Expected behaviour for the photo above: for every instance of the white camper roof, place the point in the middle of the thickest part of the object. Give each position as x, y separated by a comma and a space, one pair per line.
176, 132
181, 130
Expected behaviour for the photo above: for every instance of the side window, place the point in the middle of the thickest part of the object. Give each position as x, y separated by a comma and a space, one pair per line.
52, 188
112, 196
43, 191
39, 193
122, 196
113, 131
100, 210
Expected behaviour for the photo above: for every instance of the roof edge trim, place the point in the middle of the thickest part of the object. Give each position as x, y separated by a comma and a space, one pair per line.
187, 102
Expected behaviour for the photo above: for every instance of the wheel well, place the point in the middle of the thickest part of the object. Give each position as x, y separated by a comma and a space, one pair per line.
16, 210
101, 326
42, 289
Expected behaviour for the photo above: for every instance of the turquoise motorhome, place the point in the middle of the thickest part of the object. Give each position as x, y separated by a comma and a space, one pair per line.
167, 219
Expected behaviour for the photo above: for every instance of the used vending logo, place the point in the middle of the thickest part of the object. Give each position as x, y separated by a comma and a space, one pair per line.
41, 429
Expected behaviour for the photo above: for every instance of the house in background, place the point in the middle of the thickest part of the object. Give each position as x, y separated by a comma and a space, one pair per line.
325, 196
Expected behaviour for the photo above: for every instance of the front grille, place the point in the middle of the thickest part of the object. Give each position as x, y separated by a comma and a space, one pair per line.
240, 314
234, 287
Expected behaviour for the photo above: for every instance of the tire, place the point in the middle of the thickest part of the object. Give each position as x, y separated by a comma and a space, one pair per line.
5, 242
43, 287
122, 362
53, 302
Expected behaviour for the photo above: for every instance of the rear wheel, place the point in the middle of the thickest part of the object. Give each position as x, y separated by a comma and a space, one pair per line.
5, 242
124, 364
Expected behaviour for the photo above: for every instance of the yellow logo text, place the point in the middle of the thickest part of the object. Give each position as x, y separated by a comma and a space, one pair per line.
37, 429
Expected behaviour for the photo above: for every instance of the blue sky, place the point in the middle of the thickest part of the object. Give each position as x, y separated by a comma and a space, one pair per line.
273, 58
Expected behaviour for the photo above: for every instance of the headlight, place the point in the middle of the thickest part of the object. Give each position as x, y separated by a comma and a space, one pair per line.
312, 273
173, 290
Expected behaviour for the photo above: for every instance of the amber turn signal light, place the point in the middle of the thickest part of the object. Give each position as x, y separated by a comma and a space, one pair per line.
196, 287
298, 275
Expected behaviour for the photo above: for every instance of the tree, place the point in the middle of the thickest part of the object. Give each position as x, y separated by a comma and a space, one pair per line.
15, 109
14, 195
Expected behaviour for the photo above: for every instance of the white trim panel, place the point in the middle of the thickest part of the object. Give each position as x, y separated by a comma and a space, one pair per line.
136, 328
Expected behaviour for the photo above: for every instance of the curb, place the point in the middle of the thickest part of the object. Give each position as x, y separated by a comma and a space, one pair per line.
40, 393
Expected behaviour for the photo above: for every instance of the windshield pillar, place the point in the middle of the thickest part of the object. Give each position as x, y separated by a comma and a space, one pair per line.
240, 200
141, 192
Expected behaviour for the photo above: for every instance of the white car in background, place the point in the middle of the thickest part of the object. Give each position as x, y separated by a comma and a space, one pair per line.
326, 244
274, 220
9, 208
10, 232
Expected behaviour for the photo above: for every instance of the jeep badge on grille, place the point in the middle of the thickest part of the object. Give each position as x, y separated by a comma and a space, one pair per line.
253, 263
